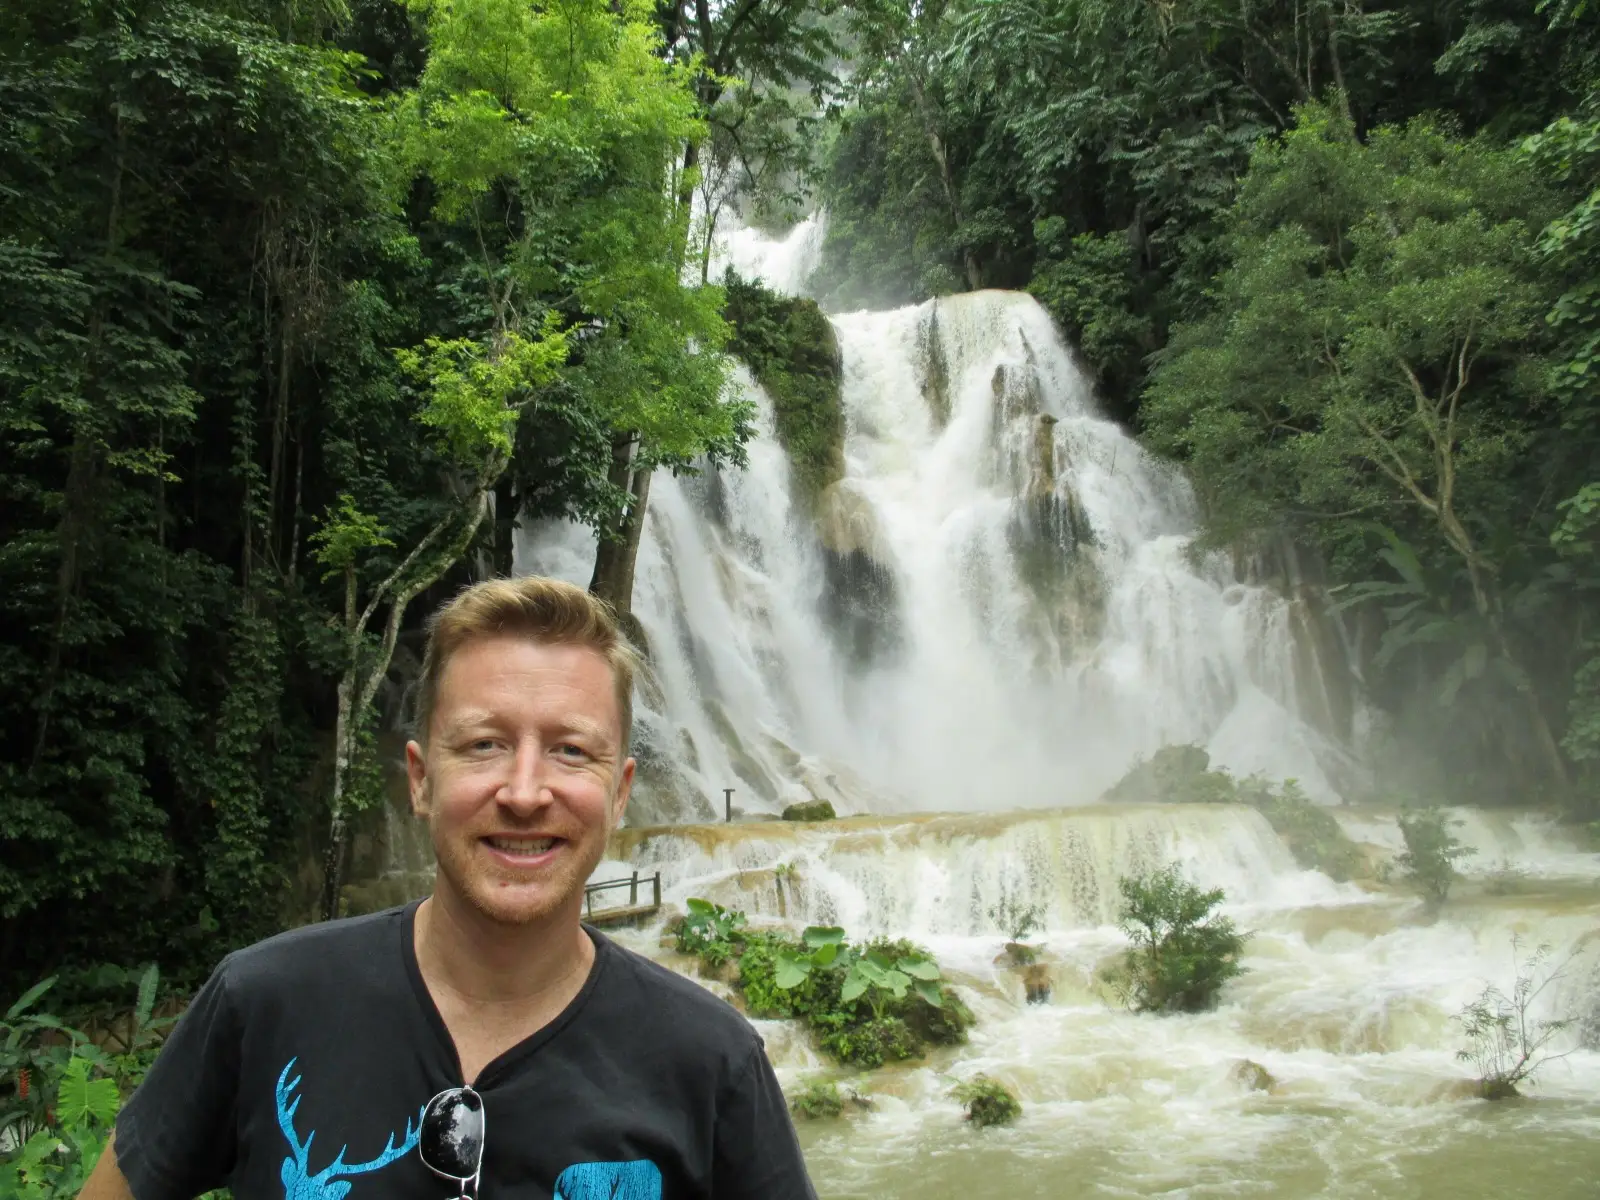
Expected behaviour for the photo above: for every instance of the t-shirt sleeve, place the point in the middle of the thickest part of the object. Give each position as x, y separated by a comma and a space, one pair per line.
176, 1135
757, 1156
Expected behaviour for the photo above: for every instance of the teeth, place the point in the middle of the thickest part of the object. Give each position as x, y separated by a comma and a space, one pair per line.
522, 845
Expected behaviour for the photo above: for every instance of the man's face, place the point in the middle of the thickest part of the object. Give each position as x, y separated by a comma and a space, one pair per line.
522, 782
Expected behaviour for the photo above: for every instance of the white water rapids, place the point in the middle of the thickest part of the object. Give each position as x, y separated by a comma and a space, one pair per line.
985, 622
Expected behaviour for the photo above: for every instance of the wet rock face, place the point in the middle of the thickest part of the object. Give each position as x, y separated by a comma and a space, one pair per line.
860, 603
1037, 982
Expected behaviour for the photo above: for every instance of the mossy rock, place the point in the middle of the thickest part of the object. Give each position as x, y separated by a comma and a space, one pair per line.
790, 347
814, 810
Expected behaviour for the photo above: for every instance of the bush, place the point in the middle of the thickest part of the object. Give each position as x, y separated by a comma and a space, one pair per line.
1174, 775
873, 1042
710, 932
1312, 833
1431, 852
1505, 1044
819, 1100
1182, 954
987, 1101
63, 1092
865, 1004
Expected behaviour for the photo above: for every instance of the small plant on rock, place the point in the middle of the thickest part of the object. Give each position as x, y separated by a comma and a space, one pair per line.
818, 1100
710, 931
1017, 920
987, 1101
1429, 860
1505, 1043
1182, 952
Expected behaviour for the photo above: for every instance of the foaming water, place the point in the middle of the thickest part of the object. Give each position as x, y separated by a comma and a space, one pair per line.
1348, 1004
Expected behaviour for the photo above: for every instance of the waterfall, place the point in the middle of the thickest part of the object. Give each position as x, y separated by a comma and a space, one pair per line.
997, 606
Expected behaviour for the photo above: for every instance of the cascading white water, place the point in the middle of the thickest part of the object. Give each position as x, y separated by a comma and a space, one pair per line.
986, 620
994, 607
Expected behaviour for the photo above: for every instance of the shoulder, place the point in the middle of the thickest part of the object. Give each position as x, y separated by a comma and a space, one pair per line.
343, 950
657, 1000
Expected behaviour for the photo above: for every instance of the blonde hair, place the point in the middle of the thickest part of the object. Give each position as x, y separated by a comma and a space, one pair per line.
548, 611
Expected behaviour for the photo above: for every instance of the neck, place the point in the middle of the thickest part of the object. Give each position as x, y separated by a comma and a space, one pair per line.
485, 962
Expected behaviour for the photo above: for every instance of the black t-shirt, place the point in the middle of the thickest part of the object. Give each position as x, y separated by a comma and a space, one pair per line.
319, 1048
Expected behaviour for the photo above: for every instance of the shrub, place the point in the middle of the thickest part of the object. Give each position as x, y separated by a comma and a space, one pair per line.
873, 1042
987, 1101
1504, 1043
1431, 852
63, 1092
819, 1099
865, 1004
1182, 954
710, 931
1312, 833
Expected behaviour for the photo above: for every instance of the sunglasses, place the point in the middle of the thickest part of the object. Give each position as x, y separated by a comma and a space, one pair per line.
451, 1141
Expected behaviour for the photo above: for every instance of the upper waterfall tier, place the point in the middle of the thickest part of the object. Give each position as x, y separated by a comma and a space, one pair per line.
996, 606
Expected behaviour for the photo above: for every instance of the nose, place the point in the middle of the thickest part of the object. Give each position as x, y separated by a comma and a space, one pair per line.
527, 788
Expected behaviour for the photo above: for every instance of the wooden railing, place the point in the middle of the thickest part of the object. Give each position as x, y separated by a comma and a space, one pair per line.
632, 884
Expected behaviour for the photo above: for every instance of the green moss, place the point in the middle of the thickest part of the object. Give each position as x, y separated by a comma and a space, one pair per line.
790, 348
815, 810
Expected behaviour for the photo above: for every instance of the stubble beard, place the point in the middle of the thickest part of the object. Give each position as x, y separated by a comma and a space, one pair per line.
460, 867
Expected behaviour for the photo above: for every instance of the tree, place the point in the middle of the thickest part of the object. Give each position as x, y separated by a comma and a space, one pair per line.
1373, 353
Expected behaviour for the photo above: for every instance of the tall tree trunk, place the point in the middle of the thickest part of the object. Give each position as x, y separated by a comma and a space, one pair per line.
618, 553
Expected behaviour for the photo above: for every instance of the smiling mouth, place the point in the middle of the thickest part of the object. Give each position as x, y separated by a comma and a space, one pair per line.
522, 846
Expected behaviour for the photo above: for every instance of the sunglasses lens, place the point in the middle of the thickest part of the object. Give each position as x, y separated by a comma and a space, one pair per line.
452, 1133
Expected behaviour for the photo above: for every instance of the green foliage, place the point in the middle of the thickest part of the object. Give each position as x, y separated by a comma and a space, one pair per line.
61, 1092
866, 1004
1182, 952
791, 350
1431, 851
1506, 1044
1016, 919
987, 1101
710, 931
282, 325
818, 1100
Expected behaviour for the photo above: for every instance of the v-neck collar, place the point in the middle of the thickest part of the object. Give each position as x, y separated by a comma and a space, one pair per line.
510, 1057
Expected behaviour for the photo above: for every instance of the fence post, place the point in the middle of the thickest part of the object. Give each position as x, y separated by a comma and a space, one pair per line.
633, 891
657, 882
727, 802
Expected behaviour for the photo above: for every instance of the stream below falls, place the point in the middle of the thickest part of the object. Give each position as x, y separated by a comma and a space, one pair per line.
1347, 1003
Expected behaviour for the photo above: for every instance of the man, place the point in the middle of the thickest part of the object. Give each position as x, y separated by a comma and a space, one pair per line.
483, 1041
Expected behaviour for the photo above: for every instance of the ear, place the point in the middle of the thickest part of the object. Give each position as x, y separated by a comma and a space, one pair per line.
619, 803
417, 778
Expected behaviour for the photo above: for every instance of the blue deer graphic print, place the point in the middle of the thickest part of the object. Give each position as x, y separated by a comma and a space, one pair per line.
639, 1180
299, 1182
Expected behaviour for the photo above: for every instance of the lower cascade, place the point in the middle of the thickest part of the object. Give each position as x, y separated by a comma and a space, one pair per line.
959, 646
